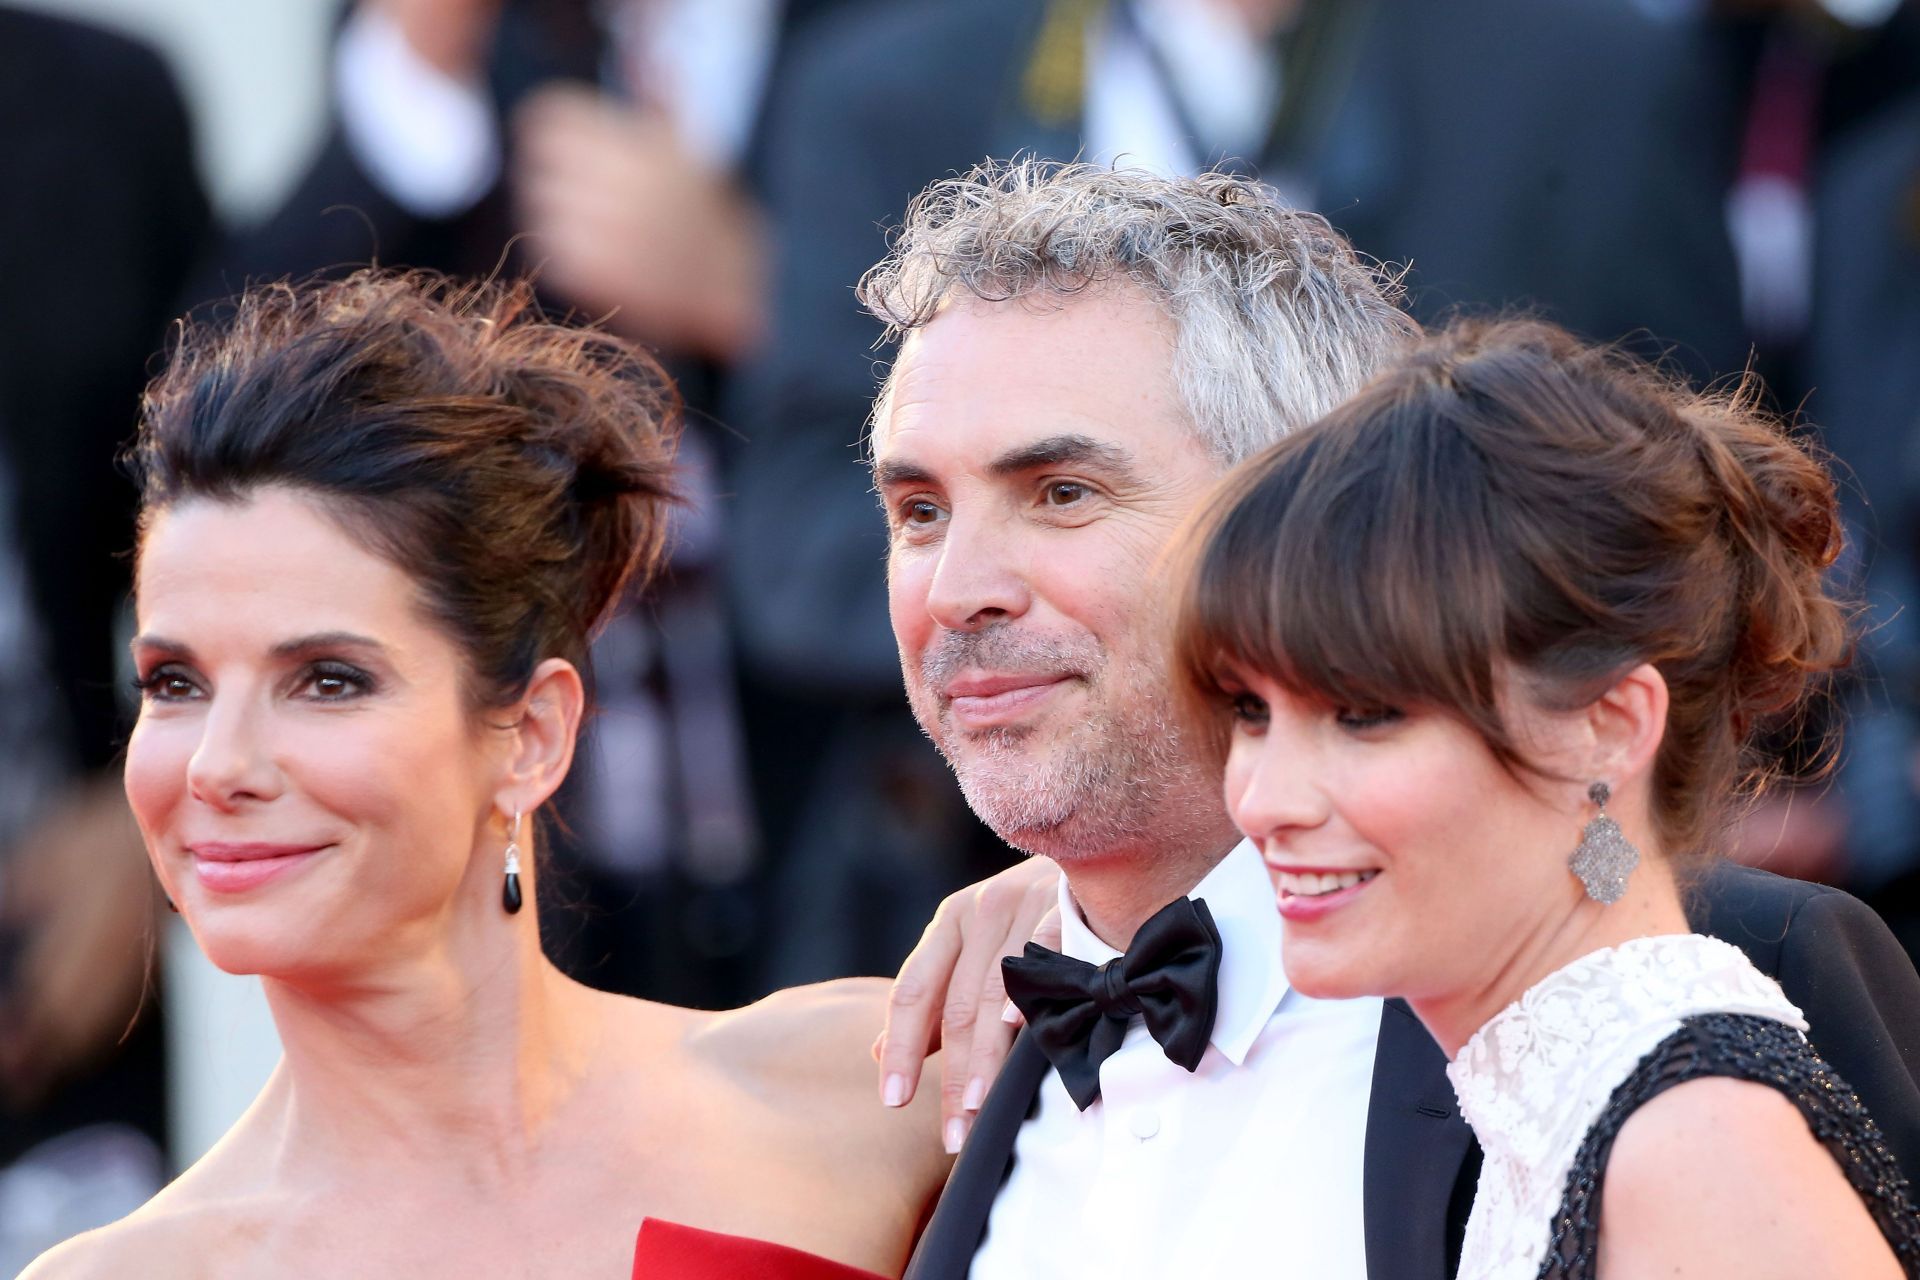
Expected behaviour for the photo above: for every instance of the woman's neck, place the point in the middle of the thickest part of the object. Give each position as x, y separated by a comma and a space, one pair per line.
463, 1051
1651, 907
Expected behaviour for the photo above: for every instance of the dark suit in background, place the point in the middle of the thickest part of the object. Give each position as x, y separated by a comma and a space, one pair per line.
103, 219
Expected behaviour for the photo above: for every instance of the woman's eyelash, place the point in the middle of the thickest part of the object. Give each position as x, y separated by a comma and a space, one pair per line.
153, 684
361, 681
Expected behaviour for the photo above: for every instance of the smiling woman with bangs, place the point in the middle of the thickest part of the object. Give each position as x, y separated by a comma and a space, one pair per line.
1490, 643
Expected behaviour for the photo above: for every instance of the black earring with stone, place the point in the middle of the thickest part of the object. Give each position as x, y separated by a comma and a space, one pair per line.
510, 891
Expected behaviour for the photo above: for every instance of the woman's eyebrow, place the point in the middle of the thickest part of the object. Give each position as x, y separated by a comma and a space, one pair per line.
326, 640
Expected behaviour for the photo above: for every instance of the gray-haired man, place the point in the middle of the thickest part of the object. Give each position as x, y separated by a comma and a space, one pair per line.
1085, 353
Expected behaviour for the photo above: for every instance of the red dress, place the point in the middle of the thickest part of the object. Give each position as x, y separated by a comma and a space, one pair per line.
669, 1251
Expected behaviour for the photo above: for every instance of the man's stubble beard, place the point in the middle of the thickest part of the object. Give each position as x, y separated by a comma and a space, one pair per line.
1113, 781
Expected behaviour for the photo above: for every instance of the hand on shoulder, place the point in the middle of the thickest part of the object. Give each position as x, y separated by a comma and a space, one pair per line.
1722, 1177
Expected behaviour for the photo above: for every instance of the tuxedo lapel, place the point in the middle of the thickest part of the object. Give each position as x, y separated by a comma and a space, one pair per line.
947, 1246
1420, 1157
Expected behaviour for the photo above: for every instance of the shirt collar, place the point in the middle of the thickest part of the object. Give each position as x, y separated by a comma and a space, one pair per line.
1252, 980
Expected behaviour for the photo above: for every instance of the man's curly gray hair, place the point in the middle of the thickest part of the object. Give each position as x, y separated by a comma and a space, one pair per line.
1277, 319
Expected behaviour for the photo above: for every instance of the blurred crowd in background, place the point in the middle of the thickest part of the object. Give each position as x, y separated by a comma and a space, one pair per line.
1732, 183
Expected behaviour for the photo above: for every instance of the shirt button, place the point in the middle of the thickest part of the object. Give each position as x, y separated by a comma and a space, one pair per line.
1144, 1122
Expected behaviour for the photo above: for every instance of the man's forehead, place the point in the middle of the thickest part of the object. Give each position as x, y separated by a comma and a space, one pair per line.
991, 387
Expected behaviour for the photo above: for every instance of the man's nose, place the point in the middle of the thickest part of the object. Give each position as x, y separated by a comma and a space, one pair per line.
232, 763
981, 578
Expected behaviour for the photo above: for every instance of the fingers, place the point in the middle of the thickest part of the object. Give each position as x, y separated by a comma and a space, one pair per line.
912, 1008
992, 1038
970, 1012
1047, 931
950, 993
977, 1035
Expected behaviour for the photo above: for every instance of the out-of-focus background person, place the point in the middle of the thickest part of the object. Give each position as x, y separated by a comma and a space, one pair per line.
102, 219
1722, 180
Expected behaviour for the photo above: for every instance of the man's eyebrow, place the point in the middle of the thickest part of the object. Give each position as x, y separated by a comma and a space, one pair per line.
1063, 451
1067, 450
891, 472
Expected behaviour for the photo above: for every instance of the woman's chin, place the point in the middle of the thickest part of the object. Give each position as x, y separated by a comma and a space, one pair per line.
1324, 973
261, 946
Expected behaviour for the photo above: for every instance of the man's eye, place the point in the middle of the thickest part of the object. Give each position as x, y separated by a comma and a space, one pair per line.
1064, 493
920, 511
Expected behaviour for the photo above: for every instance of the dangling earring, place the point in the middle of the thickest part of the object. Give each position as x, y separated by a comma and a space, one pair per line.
510, 893
1605, 857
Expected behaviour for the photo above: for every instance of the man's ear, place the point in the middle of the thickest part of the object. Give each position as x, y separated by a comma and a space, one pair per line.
1627, 723
543, 737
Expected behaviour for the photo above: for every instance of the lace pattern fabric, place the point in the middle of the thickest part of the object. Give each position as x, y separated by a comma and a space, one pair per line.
1746, 1048
1534, 1080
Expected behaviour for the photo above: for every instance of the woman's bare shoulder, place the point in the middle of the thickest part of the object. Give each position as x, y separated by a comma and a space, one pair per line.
807, 1053
186, 1229
1725, 1175
167, 1236
810, 1038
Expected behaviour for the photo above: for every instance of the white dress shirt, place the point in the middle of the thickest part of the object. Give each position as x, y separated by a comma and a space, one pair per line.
1251, 1165
431, 144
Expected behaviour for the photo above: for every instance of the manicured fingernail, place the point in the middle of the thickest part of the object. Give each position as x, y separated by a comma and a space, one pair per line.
1010, 1013
976, 1094
894, 1091
956, 1134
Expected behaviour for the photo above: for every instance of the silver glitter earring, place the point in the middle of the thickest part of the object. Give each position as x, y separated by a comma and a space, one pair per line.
510, 892
1605, 857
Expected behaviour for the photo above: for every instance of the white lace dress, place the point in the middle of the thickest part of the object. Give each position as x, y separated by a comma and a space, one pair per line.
1536, 1077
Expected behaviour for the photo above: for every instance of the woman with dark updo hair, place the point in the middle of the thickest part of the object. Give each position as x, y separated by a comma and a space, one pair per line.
381, 520
1491, 643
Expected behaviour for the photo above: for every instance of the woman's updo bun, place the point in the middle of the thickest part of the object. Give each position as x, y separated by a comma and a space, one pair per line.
1784, 531
519, 470
1512, 498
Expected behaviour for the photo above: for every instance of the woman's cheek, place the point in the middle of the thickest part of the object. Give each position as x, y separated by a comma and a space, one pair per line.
156, 773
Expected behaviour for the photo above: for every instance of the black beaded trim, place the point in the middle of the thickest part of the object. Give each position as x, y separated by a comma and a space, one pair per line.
1746, 1048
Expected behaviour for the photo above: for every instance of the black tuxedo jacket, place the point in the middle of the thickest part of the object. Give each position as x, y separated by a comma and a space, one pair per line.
1833, 956
102, 220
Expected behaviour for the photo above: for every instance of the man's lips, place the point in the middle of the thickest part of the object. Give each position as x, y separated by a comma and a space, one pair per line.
981, 701
232, 867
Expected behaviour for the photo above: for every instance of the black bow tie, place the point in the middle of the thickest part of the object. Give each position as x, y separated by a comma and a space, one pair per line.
1079, 1012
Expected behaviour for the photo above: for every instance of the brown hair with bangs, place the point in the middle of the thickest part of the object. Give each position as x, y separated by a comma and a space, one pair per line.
1510, 498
